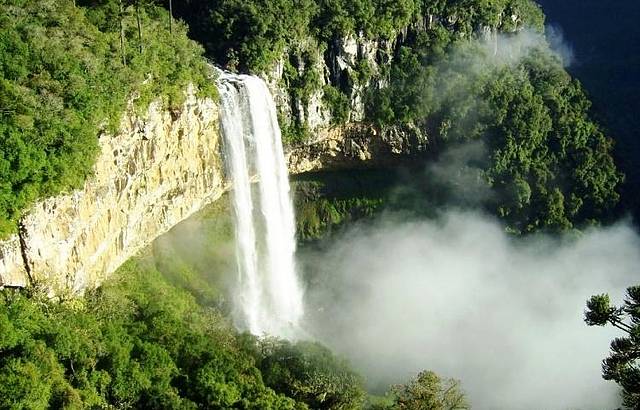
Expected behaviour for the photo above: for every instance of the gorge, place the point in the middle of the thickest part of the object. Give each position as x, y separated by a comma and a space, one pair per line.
452, 204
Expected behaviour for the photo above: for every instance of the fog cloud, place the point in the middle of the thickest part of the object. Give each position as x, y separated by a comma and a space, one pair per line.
456, 294
509, 49
459, 296
557, 42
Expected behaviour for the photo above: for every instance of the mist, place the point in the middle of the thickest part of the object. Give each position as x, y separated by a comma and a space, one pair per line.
449, 290
458, 296
499, 50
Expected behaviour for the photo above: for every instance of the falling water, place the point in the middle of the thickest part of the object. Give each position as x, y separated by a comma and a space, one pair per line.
269, 295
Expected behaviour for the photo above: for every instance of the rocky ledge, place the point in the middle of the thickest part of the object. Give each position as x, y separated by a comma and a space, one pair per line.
355, 145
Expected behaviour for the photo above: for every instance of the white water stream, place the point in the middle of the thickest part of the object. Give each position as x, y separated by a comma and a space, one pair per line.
269, 295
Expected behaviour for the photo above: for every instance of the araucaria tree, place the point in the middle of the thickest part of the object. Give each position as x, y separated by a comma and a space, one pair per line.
623, 364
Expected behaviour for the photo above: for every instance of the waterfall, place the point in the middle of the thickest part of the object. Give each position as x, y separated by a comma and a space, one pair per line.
269, 295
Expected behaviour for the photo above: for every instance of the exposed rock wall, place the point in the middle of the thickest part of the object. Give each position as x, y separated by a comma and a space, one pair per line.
336, 65
354, 64
13, 271
356, 145
159, 169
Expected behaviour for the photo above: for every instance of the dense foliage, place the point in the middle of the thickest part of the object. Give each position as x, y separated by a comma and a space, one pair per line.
140, 342
607, 65
65, 76
623, 365
549, 164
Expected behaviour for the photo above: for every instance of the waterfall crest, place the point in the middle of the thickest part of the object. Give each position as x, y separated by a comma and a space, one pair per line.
269, 295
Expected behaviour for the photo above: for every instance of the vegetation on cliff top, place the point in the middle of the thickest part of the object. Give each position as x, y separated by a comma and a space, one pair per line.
66, 74
251, 35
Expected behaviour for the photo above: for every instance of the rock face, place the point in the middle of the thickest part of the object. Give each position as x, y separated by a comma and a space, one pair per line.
338, 67
355, 146
161, 168
13, 271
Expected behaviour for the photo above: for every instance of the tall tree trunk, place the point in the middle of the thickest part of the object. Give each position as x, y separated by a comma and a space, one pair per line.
170, 17
124, 54
139, 26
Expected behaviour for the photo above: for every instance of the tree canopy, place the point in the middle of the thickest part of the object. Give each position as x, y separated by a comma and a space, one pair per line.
63, 81
136, 342
623, 364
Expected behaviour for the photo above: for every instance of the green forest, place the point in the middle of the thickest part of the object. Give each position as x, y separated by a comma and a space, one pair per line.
143, 340
67, 73
159, 334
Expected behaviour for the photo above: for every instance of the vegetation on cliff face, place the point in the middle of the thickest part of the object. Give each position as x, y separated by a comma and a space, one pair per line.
326, 201
67, 70
548, 163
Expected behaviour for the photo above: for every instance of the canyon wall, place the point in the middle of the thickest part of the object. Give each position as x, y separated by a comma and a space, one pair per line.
165, 165
159, 169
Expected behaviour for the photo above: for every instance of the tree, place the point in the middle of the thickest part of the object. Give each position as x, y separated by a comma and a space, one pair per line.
623, 364
139, 23
122, 35
170, 17
309, 372
427, 391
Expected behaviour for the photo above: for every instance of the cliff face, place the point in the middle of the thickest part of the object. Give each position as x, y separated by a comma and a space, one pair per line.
337, 66
355, 145
352, 142
159, 169
164, 166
